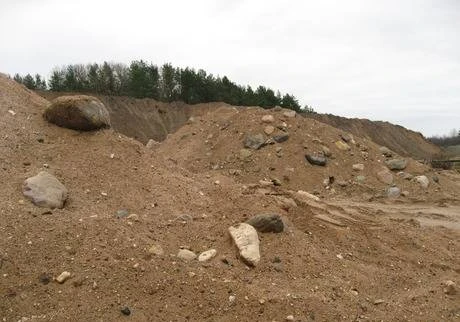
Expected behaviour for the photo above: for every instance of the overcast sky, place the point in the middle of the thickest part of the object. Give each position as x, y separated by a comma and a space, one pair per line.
397, 61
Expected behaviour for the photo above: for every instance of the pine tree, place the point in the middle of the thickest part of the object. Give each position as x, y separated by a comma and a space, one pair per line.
29, 81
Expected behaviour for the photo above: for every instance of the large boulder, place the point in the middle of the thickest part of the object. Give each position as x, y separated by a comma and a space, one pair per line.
79, 112
45, 190
396, 164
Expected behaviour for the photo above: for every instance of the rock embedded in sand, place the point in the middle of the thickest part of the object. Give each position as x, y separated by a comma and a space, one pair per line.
207, 255
186, 255
393, 192
423, 181
268, 118
45, 190
79, 112
385, 176
386, 151
247, 241
342, 146
290, 114
281, 138
396, 164
151, 144
450, 288
64, 276
269, 129
267, 223
254, 141
316, 159
358, 167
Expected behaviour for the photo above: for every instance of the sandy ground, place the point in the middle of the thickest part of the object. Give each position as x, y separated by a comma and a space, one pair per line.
378, 259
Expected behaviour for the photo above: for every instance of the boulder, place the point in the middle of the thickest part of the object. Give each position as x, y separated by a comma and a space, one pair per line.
396, 164
45, 190
386, 151
393, 192
254, 141
423, 181
316, 159
269, 129
186, 255
385, 176
268, 118
281, 138
358, 167
79, 112
269, 223
247, 241
207, 255
342, 146
290, 113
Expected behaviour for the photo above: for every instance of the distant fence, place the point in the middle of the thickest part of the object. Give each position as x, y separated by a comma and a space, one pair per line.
443, 164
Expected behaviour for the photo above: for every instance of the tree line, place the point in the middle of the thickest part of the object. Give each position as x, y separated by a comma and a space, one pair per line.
165, 83
453, 138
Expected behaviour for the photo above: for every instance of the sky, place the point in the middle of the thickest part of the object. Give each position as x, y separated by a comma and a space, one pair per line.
396, 61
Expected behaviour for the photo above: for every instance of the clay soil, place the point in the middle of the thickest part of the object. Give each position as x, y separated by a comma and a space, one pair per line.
383, 259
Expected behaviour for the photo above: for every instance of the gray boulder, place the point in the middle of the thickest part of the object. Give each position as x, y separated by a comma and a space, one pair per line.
386, 151
254, 141
396, 164
393, 192
79, 112
45, 190
269, 223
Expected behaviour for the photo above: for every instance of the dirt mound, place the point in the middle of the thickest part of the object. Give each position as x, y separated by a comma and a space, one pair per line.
131, 209
213, 144
399, 139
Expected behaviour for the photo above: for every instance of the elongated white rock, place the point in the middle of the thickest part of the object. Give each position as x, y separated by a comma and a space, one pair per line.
246, 239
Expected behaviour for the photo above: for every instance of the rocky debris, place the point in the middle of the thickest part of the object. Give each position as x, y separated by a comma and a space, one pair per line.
290, 113
254, 141
269, 129
286, 203
423, 181
450, 288
156, 249
281, 138
326, 151
125, 311
342, 183
358, 167
247, 241
385, 176
329, 220
290, 318
268, 118
151, 144
45, 190
435, 179
396, 164
379, 301
316, 159
361, 178
386, 152
79, 112
64, 276
207, 255
342, 146
393, 192
267, 223
186, 255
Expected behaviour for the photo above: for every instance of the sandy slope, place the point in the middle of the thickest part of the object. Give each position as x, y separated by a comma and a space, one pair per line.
374, 267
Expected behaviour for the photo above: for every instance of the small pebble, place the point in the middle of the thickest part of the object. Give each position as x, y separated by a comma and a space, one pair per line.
63, 277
